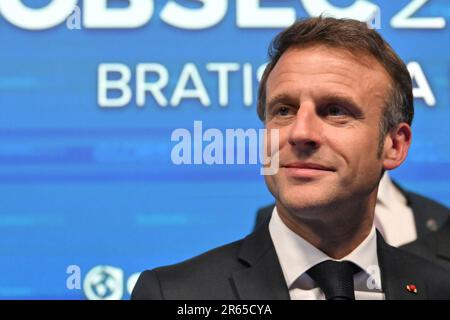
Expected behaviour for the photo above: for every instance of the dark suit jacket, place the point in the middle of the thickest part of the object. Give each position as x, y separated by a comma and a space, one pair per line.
249, 269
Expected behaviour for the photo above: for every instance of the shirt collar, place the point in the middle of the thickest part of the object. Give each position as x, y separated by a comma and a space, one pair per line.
296, 255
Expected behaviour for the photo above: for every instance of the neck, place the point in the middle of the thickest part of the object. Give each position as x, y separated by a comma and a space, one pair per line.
337, 232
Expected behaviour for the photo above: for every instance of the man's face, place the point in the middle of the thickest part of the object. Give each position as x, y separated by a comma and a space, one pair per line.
327, 105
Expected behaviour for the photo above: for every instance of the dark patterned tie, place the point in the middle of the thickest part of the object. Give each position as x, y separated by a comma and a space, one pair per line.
335, 278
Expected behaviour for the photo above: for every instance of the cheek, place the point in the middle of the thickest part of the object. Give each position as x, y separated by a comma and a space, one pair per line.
281, 135
360, 152
356, 140
369, 142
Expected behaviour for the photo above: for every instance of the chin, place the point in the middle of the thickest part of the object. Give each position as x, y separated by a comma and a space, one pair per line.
303, 201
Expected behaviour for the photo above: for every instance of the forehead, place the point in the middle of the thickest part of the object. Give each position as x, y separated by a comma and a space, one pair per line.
321, 70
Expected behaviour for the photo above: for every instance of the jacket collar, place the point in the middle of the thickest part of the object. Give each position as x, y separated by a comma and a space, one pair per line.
263, 279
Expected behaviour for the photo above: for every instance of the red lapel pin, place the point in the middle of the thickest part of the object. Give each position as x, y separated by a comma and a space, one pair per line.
411, 288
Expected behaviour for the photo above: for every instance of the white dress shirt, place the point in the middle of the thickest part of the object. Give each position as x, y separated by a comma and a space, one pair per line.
393, 218
297, 256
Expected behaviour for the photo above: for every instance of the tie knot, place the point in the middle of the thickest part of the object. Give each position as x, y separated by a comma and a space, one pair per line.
335, 278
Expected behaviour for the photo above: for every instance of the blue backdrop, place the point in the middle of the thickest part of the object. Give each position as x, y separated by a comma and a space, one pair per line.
88, 189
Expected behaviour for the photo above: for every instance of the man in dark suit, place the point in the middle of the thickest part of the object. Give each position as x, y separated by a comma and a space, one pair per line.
341, 102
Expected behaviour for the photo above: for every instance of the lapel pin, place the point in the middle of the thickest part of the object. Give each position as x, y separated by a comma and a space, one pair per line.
432, 224
411, 288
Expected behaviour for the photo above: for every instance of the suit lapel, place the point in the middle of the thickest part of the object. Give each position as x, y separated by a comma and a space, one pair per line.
263, 279
397, 273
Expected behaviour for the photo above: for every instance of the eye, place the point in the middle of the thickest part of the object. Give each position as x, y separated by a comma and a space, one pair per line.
335, 110
283, 111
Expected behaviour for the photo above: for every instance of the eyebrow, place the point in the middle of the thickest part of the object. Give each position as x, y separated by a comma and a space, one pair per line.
282, 97
339, 98
343, 99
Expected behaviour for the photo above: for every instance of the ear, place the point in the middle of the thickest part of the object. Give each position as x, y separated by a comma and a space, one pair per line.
396, 146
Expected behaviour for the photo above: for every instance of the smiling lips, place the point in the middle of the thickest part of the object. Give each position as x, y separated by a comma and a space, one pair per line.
306, 169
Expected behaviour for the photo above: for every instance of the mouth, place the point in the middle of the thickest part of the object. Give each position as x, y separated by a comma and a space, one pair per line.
306, 169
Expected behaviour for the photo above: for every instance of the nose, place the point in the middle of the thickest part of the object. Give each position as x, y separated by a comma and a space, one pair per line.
305, 133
